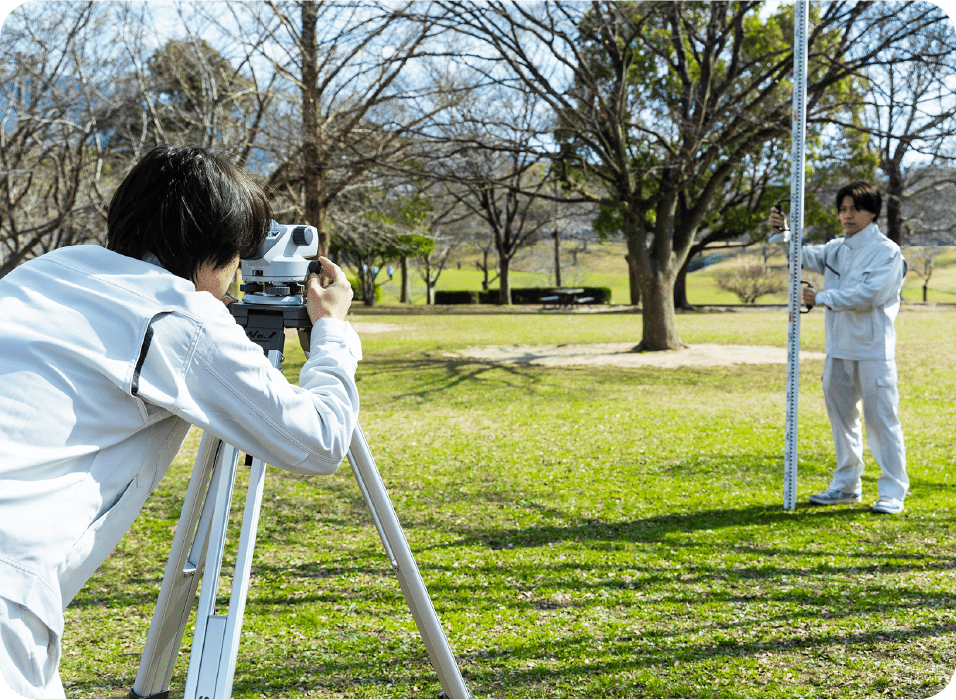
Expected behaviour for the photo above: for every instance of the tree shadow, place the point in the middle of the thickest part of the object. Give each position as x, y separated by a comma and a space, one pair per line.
511, 376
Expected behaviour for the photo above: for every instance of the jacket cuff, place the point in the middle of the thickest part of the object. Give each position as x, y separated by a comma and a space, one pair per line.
327, 330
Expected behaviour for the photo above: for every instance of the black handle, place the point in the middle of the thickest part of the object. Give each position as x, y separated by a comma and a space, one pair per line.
809, 306
779, 207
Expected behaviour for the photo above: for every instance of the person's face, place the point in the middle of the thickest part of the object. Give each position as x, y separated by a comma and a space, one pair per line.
216, 280
853, 219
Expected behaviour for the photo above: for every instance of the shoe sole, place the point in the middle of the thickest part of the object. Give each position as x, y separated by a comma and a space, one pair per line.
819, 502
885, 511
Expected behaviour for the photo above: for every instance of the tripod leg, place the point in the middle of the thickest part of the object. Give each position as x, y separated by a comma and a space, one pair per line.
207, 636
212, 665
181, 577
212, 662
403, 562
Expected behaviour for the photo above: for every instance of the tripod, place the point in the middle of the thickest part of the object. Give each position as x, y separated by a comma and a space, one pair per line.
200, 541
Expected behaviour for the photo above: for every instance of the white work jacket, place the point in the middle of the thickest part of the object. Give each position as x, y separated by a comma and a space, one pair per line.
862, 278
105, 362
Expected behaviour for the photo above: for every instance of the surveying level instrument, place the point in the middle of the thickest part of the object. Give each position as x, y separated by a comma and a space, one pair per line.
273, 303
797, 161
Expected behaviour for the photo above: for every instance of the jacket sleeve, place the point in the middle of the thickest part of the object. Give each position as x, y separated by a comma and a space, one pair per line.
877, 282
210, 374
813, 256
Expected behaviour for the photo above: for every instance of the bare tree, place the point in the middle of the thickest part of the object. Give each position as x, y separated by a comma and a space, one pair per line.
357, 103
386, 220
488, 264
55, 76
921, 259
928, 210
501, 191
445, 226
189, 84
486, 158
929, 219
909, 108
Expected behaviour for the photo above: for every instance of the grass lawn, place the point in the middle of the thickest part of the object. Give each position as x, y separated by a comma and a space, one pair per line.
583, 532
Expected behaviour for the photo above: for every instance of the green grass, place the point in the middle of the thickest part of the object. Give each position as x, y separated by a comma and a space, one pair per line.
583, 532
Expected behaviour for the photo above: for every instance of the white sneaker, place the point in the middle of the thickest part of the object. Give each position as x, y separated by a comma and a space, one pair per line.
890, 506
831, 497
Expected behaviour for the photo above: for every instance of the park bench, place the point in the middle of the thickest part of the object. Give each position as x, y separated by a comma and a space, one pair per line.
563, 298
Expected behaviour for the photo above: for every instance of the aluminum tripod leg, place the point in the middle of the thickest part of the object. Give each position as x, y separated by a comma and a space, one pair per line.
212, 662
403, 562
181, 579
216, 637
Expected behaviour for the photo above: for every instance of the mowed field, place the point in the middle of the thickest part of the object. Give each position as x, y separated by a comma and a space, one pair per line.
583, 531
603, 265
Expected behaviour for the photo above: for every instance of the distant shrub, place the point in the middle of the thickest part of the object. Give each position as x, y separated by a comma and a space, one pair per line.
519, 295
461, 297
533, 295
750, 279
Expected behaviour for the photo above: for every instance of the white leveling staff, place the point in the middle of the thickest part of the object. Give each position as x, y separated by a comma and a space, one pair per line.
797, 160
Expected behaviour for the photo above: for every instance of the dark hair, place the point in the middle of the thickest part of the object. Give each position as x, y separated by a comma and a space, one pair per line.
188, 207
865, 196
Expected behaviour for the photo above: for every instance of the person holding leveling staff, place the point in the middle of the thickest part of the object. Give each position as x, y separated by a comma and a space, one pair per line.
863, 274
108, 355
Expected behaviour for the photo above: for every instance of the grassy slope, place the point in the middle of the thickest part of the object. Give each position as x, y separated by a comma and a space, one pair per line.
583, 532
604, 266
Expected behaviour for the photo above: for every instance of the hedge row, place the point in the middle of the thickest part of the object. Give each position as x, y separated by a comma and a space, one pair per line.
519, 295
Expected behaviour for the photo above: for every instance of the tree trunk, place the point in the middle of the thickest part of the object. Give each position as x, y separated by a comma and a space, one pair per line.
483, 266
659, 325
894, 208
925, 290
504, 285
557, 239
315, 210
680, 287
405, 295
633, 275
368, 289
557, 257
657, 272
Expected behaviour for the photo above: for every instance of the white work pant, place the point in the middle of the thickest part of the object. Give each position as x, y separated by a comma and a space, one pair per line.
848, 384
29, 653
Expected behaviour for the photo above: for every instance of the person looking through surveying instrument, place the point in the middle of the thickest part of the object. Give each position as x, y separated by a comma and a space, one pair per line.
108, 355
863, 274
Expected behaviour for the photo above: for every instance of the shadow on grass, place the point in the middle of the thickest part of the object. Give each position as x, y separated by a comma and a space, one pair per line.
656, 528
504, 375
656, 652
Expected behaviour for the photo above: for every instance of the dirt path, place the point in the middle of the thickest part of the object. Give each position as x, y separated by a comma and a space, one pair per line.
619, 355
615, 354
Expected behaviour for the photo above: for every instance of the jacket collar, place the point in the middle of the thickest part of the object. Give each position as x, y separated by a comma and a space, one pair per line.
863, 236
